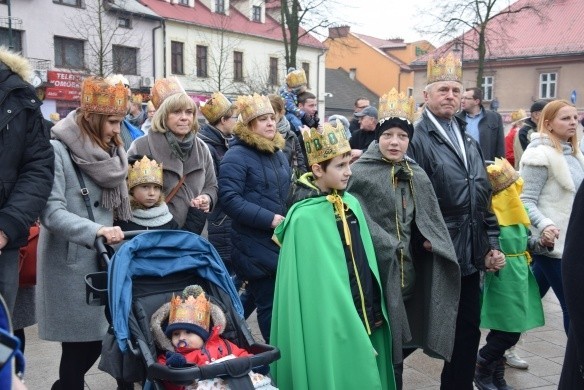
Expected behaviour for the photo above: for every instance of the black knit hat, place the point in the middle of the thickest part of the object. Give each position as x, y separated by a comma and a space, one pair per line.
538, 105
388, 123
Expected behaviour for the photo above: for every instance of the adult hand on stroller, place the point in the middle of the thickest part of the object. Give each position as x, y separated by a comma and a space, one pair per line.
112, 234
175, 359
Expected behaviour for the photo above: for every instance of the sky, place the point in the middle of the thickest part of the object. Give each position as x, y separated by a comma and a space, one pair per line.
384, 18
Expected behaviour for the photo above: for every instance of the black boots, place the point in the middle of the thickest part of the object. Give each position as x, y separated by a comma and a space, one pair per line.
499, 376
483, 377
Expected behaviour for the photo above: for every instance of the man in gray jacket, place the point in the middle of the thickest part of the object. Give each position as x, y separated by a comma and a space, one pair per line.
485, 126
27, 162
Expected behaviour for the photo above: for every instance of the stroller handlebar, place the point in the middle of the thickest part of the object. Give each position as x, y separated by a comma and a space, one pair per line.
236, 367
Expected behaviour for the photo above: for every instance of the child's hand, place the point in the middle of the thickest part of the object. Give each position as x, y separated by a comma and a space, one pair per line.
427, 246
175, 359
202, 202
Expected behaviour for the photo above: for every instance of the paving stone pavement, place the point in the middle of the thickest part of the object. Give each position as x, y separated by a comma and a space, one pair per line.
543, 348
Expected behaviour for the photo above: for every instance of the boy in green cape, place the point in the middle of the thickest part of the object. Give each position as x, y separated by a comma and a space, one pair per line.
329, 318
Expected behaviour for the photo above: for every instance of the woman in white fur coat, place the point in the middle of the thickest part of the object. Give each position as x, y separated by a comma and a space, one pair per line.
552, 168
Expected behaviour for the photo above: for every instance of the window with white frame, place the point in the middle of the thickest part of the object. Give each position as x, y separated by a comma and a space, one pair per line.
256, 13
13, 41
548, 85
488, 84
220, 6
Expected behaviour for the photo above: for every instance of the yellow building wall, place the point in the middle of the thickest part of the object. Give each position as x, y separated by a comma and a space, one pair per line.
374, 69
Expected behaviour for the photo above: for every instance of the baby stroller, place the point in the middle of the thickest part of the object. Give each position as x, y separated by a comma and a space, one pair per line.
142, 275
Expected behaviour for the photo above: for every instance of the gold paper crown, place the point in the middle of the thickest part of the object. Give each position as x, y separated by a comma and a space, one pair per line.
214, 108
98, 96
447, 68
296, 78
55, 117
137, 98
397, 105
323, 146
501, 174
164, 88
518, 115
190, 310
145, 171
250, 107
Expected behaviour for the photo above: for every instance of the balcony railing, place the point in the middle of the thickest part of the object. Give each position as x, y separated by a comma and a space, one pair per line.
40, 64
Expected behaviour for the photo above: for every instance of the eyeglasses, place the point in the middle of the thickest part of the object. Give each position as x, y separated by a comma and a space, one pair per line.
468, 98
361, 108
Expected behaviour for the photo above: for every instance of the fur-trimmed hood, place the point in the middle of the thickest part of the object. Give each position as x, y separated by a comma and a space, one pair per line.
160, 319
16, 63
258, 142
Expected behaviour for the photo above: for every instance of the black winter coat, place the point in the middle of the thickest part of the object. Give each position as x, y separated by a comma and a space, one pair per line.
219, 226
26, 158
491, 134
464, 194
254, 179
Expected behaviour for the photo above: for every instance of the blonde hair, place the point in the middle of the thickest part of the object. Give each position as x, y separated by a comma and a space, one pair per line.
548, 114
178, 101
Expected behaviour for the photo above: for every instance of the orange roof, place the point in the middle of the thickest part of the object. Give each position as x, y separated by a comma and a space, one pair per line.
236, 22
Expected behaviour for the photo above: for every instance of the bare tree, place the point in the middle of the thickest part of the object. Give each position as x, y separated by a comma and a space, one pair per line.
221, 45
98, 26
480, 21
299, 19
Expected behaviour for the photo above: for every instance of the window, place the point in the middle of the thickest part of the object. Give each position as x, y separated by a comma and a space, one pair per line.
273, 71
201, 61
16, 39
125, 59
220, 6
256, 13
183, 2
306, 67
75, 3
69, 53
177, 57
488, 88
237, 66
547, 85
124, 22
410, 91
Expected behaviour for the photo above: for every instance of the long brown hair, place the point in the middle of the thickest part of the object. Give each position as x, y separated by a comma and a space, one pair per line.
91, 126
548, 114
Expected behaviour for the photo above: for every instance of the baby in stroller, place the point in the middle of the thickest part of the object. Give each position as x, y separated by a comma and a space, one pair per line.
188, 338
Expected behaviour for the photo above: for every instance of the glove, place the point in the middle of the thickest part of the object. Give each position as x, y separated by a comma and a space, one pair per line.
175, 359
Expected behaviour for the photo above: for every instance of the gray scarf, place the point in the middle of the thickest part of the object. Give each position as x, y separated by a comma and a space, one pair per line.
108, 169
180, 149
153, 217
283, 126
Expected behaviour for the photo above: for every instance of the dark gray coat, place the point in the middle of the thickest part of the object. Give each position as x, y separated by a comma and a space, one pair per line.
428, 319
491, 134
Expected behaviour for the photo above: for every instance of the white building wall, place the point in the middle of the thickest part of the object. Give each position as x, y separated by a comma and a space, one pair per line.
42, 20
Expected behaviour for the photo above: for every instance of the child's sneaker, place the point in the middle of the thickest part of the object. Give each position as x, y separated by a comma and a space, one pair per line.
514, 360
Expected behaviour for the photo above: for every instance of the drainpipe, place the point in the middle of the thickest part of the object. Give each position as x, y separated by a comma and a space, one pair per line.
163, 48
318, 78
154, 49
10, 40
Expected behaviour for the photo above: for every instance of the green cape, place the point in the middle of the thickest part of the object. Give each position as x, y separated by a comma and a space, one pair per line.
323, 342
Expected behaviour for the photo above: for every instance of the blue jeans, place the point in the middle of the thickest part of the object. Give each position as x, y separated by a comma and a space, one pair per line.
262, 291
548, 273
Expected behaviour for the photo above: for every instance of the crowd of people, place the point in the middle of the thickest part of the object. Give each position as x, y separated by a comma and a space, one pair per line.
356, 242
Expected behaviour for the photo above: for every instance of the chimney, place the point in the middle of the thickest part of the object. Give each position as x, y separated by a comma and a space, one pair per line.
339, 32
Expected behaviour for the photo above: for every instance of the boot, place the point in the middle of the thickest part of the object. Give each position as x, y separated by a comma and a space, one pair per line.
483, 377
499, 376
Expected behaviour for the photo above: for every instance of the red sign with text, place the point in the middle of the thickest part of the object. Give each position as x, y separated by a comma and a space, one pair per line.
63, 85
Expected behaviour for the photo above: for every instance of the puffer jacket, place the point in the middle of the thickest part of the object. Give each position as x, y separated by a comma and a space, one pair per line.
464, 194
219, 226
26, 155
254, 178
